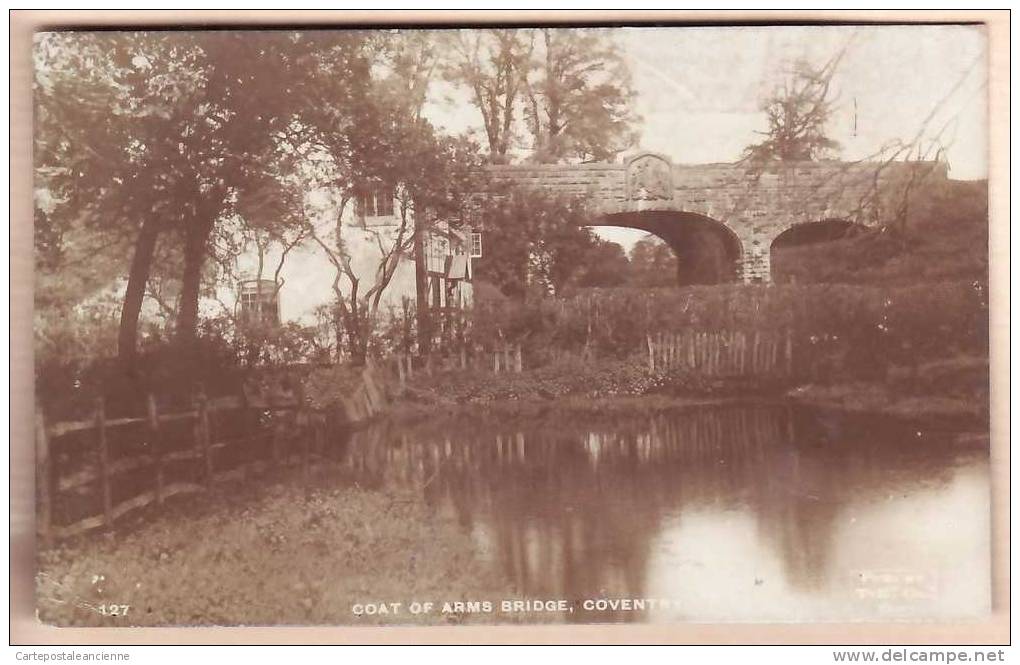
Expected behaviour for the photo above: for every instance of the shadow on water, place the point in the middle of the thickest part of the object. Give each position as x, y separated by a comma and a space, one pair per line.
725, 512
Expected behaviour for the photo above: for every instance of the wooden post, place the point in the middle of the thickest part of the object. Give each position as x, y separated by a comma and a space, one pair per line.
744, 353
43, 477
204, 435
789, 352
157, 453
717, 355
306, 445
651, 353
248, 433
519, 361
754, 352
495, 361
463, 357
104, 462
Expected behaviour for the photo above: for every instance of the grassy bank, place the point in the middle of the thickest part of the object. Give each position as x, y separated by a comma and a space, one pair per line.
955, 388
279, 555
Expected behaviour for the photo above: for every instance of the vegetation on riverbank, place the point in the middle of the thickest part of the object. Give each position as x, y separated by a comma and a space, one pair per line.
285, 554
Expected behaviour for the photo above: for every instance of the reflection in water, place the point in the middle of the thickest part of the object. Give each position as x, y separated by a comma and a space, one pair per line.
728, 512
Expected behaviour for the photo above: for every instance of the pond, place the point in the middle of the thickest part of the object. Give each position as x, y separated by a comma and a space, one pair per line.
735, 512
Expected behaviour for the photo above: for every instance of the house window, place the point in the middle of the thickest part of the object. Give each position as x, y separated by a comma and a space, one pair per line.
376, 201
260, 302
476, 245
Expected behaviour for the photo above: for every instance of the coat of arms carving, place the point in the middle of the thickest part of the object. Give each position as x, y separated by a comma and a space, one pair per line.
649, 178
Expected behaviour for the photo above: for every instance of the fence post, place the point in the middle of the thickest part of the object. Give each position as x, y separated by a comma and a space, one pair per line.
104, 462
43, 476
306, 440
250, 423
519, 361
789, 352
204, 435
157, 454
651, 353
754, 352
774, 355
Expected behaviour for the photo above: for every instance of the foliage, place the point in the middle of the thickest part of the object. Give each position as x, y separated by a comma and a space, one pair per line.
878, 326
578, 97
652, 263
571, 88
492, 65
603, 264
797, 115
195, 116
535, 241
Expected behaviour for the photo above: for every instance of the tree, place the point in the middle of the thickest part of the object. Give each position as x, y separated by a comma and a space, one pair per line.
578, 97
571, 88
362, 131
153, 133
535, 241
493, 65
604, 264
797, 114
652, 263
92, 163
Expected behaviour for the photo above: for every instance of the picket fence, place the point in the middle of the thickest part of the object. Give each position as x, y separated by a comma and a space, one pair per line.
722, 353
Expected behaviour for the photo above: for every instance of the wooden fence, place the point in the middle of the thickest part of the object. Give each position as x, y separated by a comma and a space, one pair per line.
506, 358
722, 354
72, 457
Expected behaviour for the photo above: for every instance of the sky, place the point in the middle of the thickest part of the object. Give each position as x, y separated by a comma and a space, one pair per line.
699, 90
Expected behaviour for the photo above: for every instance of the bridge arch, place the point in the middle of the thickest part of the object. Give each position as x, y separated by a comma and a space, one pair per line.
707, 250
789, 245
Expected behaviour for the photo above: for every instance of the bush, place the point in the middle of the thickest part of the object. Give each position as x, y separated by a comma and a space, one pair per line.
873, 326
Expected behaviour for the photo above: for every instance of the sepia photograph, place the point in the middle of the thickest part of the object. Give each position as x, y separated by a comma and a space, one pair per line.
440, 325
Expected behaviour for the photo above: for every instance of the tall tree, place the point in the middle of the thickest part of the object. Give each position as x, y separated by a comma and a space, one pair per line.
578, 97
366, 132
155, 132
100, 116
797, 113
493, 65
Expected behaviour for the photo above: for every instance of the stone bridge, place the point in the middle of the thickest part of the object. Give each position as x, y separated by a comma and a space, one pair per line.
724, 220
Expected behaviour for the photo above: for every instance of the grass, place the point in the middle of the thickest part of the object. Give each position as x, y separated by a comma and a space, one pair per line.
281, 555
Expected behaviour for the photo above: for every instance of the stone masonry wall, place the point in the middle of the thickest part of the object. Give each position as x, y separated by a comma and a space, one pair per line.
756, 206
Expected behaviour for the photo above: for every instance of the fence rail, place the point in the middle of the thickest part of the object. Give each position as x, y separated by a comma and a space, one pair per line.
202, 452
722, 353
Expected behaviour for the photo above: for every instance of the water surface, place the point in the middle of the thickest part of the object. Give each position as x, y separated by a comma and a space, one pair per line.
715, 513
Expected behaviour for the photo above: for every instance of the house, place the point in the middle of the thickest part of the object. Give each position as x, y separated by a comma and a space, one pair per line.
278, 285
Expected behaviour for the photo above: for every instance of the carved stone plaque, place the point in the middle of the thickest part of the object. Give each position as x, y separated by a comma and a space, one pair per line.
649, 178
